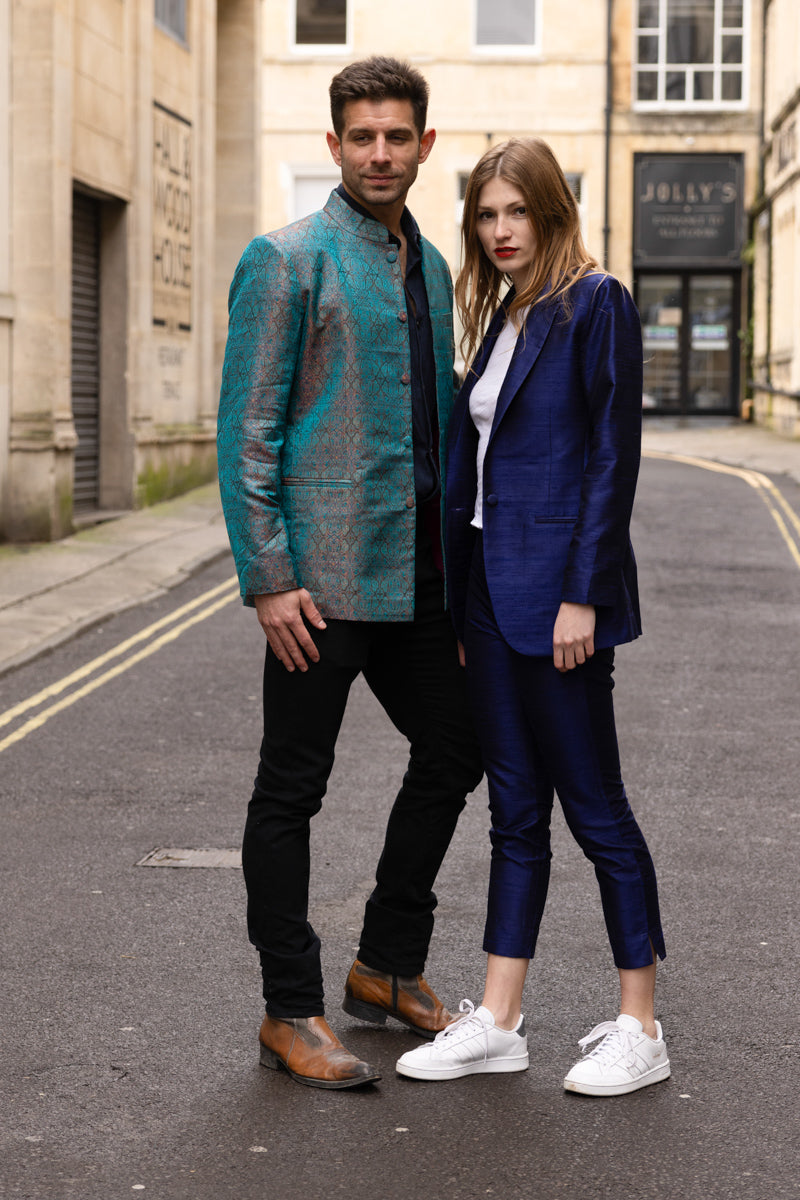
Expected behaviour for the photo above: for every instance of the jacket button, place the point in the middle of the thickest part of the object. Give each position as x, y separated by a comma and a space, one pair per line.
491, 500
409, 501
407, 440
405, 378
402, 317
391, 258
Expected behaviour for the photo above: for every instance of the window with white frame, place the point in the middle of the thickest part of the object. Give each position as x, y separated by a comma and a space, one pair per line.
320, 23
171, 15
691, 53
508, 25
310, 188
575, 181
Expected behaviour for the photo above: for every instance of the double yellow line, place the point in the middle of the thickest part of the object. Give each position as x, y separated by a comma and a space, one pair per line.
207, 604
784, 516
71, 688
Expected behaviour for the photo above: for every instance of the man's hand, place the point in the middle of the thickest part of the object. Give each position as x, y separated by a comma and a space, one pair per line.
573, 636
280, 615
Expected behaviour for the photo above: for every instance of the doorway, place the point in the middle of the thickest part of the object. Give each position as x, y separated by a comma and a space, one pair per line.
86, 349
690, 321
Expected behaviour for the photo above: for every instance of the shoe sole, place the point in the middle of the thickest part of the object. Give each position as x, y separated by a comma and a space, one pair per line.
656, 1075
495, 1066
274, 1062
376, 1015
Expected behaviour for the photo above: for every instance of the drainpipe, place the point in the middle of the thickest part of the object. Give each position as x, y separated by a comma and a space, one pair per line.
762, 184
607, 147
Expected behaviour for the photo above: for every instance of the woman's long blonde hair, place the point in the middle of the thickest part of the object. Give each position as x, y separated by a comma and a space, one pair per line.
561, 257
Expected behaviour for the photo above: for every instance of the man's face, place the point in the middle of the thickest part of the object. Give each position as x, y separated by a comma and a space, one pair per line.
379, 151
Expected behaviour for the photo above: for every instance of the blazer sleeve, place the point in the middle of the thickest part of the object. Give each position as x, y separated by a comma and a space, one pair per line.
611, 367
266, 320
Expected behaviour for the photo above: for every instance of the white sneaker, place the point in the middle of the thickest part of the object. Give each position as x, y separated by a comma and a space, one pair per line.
626, 1059
471, 1045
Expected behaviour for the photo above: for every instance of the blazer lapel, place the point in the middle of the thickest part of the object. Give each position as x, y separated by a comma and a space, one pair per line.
526, 351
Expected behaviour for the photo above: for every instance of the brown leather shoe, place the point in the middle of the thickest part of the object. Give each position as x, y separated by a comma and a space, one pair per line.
373, 995
310, 1051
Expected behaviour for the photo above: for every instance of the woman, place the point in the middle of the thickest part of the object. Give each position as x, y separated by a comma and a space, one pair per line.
542, 467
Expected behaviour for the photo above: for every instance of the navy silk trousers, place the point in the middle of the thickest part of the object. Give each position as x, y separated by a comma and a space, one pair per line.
543, 731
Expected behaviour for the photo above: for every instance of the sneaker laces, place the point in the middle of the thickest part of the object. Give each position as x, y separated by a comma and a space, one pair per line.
465, 1026
617, 1044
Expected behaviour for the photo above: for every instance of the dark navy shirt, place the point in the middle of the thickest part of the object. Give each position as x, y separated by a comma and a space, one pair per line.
424, 422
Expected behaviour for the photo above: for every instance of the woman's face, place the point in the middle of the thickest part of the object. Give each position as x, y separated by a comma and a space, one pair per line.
504, 230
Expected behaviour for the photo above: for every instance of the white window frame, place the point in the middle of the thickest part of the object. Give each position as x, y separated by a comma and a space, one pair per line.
180, 35
294, 172
582, 205
661, 68
308, 49
531, 50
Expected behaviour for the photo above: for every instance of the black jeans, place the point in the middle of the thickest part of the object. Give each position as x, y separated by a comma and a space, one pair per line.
412, 668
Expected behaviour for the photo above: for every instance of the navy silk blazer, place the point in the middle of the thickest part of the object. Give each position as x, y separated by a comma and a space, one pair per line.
560, 471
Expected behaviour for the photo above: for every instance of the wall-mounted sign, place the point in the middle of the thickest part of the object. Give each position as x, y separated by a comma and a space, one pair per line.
688, 208
172, 221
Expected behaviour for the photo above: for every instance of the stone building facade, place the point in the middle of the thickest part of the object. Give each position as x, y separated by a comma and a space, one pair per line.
144, 142
128, 183
776, 309
652, 107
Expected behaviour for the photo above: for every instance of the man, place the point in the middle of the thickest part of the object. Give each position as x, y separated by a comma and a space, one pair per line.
336, 392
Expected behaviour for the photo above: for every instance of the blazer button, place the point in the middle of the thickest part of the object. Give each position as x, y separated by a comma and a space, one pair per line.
407, 440
405, 378
491, 500
402, 317
391, 258
409, 501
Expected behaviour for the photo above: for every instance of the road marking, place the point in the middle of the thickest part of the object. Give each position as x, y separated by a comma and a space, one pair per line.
776, 503
214, 599
55, 689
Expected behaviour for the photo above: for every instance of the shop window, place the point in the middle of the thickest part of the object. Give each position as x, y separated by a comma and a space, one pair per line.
321, 23
508, 25
171, 15
691, 53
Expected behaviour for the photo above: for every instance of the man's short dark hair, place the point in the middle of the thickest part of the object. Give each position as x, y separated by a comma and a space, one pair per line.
379, 78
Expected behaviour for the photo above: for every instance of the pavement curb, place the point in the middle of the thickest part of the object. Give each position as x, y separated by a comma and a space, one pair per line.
52, 593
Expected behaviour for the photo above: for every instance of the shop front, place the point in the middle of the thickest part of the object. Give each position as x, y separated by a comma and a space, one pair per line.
688, 233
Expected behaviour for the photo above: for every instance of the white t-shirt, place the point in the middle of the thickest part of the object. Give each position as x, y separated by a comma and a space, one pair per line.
483, 398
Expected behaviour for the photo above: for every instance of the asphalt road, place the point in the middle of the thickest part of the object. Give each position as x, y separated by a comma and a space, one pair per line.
130, 997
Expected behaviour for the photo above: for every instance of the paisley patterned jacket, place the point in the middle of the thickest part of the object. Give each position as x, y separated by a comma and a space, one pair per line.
314, 440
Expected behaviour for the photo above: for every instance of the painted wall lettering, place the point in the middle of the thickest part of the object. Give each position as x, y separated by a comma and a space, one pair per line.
688, 207
172, 221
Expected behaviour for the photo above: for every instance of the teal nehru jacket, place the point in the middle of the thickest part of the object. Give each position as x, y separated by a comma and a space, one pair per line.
315, 449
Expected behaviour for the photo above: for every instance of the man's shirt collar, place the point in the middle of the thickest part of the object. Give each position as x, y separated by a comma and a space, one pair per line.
407, 222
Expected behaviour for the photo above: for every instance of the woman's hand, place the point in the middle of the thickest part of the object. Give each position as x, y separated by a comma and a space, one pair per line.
573, 636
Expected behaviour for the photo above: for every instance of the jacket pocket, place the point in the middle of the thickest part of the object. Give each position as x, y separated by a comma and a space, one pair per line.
315, 481
555, 520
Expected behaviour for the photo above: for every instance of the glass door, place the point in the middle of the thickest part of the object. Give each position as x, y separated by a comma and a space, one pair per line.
712, 342
661, 310
689, 323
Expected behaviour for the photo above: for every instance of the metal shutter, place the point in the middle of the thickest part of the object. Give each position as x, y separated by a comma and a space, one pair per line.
86, 348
